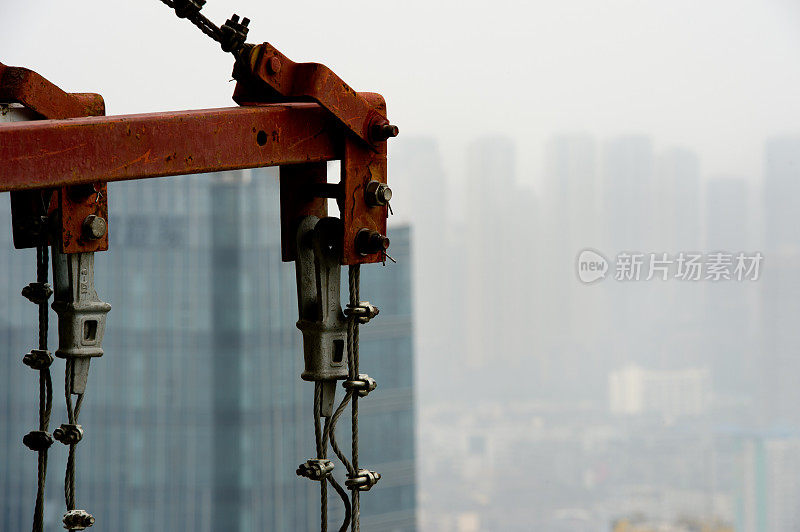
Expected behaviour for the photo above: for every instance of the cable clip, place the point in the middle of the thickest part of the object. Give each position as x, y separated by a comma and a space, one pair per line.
234, 33
38, 359
363, 312
37, 293
315, 469
68, 434
363, 385
78, 520
363, 481
38, 440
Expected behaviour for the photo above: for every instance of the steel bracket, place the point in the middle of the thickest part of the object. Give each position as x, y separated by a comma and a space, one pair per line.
33, 211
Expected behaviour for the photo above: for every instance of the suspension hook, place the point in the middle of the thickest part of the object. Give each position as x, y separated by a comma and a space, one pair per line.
322, 321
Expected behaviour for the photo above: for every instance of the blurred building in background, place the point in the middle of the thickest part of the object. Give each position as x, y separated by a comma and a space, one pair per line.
671, 394
196, 417
780, 301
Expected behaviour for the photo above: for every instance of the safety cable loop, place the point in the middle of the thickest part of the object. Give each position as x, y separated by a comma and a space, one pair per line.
71, 434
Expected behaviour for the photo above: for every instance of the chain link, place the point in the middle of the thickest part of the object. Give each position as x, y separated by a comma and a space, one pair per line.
231, 36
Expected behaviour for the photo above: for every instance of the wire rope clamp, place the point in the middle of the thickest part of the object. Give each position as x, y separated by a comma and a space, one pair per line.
68, 434
81, 314
38, 440
37, 293
38, 359
315, 469
363, 312
363, 480
234, 33
78, 520
362, 386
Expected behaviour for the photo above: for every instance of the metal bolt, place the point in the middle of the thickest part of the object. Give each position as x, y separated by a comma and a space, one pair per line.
94, 227
273, 65
385, 131
378, 193
369, 242
68, 434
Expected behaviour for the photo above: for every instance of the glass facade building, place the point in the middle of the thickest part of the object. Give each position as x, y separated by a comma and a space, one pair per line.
196, 417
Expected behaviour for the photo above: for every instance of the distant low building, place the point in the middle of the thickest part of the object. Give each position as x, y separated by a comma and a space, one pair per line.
634, 390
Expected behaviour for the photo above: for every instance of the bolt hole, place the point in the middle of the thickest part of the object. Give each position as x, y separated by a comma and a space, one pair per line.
261, 137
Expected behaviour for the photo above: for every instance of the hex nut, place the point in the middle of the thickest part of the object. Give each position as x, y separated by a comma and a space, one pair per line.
378, 194
94, 227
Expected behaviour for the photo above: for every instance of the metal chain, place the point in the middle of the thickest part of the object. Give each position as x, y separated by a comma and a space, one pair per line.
354, 281
231, 36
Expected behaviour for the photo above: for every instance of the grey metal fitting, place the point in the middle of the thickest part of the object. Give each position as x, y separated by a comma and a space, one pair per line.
38, 440
363, 312
94, 227
322, 321
37, 293
377, 194
363, 480
81, 314
38, 359
315, 469
78, 520
68, 434
362, 386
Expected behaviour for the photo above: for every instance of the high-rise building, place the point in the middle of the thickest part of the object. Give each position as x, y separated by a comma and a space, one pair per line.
196, 417
575, 318
677, 206
780, 288
628, 192
422, 200
730, 307
499, 255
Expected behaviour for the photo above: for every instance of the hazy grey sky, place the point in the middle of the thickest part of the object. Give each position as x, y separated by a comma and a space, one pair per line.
717, 76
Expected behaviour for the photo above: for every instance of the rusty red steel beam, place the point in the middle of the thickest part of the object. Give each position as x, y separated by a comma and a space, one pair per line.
53, 153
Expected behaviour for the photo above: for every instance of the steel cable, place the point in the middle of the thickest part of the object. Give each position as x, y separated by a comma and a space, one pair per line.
45, 383
354, 282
